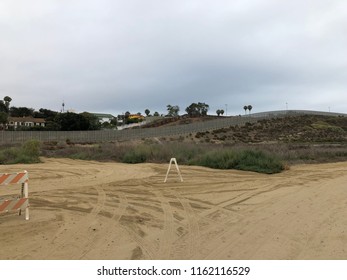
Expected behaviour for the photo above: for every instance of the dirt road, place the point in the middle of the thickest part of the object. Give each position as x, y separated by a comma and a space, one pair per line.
92, 210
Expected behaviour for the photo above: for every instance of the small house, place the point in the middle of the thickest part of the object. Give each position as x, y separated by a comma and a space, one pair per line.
15, 122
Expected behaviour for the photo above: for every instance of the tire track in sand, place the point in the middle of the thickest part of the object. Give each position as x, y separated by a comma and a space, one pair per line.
148, 251
192, 223
167, 237
71, 232
169, 243
108, 230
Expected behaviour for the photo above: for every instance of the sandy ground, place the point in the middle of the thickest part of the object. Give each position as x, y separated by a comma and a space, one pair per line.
92, 210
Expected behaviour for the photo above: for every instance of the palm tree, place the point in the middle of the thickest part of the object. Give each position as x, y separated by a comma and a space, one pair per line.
218, 112
249, 107
245, 108
222, 112
147, 111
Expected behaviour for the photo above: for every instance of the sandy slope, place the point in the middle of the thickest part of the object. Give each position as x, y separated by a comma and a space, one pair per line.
91, 210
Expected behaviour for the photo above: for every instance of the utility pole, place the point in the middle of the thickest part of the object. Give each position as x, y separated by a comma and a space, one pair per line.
226, 109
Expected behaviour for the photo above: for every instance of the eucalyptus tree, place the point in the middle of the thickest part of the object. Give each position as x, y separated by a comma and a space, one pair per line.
172, 110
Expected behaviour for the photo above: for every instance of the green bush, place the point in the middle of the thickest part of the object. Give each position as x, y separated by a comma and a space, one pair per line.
257, 161
8, 155
218, 159
31, 148
248, 160
138, 154
29, 152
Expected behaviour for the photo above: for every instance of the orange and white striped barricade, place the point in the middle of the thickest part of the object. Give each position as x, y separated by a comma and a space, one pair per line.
20, 203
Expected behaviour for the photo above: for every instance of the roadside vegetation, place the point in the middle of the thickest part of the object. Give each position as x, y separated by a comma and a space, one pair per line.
217, 157
268, 146
264, 158
248, 160
29, 152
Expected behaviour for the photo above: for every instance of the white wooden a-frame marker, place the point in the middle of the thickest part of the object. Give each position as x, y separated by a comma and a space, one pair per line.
173, 160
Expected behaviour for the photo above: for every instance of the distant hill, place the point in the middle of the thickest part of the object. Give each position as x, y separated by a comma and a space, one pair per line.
304, 128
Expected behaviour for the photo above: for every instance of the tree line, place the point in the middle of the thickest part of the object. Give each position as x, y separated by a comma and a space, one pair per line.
69, 121
193, 110
53, 120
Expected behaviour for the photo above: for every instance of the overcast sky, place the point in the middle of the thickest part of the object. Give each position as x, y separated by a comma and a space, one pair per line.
117, 55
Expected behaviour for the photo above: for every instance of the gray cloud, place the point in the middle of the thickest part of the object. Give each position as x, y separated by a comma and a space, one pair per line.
113, 56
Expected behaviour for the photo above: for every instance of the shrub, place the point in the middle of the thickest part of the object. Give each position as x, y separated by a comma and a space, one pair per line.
138, 154
31, 148
248, 160
9, 155
29, 152
218, 159
321, 125
257, 161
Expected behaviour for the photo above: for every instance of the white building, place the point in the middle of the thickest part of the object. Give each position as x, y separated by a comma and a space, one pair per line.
104, 117
16, 122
